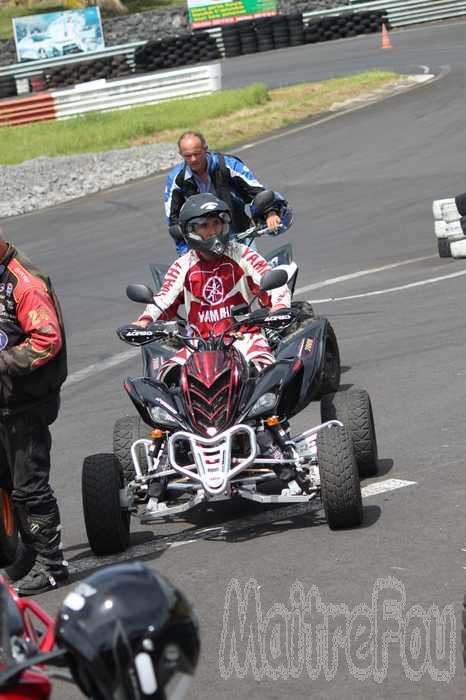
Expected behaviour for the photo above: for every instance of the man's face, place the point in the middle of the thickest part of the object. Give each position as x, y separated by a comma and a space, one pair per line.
208, 227
194, 154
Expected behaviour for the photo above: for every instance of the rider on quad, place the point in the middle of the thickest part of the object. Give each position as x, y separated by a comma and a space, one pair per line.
215, 275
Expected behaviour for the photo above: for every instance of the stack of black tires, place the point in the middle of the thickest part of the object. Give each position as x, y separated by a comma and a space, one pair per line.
280, 31
7, 87
263, 34
181, 50
85, 71
345, 25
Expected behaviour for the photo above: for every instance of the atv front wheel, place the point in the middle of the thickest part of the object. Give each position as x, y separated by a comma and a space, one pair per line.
107, 523
339, 479
354, 409
126, 431
8, 530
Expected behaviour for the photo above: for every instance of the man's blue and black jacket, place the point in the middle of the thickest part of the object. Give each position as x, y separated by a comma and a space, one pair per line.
233, 182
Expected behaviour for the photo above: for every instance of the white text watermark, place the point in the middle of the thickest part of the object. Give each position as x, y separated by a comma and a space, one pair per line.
312, 636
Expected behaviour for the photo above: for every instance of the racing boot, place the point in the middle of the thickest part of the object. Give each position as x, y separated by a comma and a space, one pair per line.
43, 535
270, 450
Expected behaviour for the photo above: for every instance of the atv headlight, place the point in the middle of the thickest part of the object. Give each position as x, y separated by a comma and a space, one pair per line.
160, 415
263, 405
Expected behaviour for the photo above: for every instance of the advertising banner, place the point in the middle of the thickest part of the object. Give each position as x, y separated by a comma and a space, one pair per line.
206, 13
54, 34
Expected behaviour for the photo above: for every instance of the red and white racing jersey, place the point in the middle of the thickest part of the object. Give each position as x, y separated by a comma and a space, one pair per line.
209, 289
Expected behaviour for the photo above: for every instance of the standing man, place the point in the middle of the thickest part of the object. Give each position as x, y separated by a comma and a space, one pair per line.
225, 176
33, 367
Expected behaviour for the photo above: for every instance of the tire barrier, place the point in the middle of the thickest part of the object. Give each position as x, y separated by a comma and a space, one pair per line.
7, 87
75, 73
182, 50
280, 31
450, 226
345, 25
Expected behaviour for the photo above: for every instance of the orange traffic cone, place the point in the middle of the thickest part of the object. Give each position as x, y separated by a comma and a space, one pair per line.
386, 43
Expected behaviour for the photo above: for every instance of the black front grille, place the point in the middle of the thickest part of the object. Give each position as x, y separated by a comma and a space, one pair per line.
210, 404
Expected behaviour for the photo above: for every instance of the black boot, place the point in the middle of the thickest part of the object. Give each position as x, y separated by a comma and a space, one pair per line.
49, 569
270, 450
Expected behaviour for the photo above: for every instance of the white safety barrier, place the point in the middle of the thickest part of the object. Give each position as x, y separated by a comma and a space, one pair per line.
102, 95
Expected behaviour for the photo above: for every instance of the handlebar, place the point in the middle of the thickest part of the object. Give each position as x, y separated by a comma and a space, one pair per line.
255, 232
136, 335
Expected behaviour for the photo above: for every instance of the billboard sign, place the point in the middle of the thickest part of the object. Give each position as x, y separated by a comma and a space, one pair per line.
206, 13
54, 34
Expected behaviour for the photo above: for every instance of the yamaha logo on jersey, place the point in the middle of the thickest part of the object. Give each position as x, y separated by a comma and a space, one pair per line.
213, 292
3, 340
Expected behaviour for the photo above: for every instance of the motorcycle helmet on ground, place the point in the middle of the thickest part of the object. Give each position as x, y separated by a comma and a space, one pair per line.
129, 635
195, 214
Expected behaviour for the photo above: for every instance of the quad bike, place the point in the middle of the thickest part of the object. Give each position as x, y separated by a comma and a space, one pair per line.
27, 640
217, 430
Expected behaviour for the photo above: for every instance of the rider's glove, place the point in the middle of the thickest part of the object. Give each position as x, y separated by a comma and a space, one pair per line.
273, 337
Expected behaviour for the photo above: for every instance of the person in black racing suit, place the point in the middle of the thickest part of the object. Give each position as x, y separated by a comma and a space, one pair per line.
33, 366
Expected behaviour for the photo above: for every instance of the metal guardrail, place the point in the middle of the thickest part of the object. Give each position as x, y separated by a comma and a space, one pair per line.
101, 95
401, 13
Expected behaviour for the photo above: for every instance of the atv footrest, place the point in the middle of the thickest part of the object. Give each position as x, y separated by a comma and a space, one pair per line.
261, 498
162, 510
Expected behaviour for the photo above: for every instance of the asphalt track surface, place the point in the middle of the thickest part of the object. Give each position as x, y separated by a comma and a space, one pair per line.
361, 186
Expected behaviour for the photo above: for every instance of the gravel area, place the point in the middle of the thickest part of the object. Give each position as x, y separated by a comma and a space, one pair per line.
43, 182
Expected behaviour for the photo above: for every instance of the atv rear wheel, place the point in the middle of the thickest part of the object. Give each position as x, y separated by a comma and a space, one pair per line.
330, 372
107, 523
8, 530
126, 431
354, 409
339, 479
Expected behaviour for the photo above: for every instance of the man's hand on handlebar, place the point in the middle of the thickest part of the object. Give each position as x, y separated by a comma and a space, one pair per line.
273, 221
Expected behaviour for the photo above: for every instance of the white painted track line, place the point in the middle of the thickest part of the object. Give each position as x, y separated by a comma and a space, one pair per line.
389, 290
383, 486
361, 273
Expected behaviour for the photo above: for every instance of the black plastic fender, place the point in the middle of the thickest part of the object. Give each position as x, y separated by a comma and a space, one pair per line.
155, 354
272, 379
306, 344
144, 392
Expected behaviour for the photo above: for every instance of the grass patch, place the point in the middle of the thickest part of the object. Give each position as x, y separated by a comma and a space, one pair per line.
226, 118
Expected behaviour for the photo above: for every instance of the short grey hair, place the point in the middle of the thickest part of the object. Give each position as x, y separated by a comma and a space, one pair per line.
193, 134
